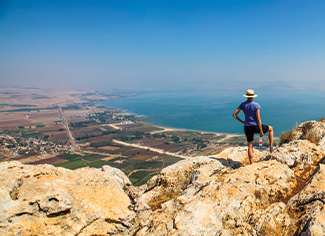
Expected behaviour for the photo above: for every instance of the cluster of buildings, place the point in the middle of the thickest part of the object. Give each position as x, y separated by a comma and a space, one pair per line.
13, 147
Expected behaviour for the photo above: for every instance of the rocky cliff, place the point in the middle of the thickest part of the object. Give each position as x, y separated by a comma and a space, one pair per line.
283, 193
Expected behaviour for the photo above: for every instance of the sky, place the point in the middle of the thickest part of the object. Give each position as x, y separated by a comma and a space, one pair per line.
162, 44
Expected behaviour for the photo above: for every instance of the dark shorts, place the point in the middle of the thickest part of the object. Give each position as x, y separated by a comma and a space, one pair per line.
251, 130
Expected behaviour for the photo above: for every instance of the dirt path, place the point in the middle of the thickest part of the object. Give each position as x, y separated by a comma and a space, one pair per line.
164, 130
114, 126
228, 136
161, 151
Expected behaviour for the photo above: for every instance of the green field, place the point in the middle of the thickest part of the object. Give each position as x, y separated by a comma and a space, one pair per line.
70, 164
53, 130
93, 157
34, 134
149, 164
70, 157
77, 161
141, 177
97, 164
22, 105
70, 108
15, 130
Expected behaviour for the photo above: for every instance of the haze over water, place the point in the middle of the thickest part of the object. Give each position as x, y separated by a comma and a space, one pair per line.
212, 110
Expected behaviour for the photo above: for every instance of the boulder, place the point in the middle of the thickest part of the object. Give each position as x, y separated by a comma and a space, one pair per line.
297, 153
172, 181
218, 201
236, 157
44, 200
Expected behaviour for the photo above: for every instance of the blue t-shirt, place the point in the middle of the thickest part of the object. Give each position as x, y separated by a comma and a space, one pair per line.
249, 108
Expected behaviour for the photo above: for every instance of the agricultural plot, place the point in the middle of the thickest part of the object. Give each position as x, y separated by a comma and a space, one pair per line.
9, 124
52, 160
104, 138
106, 148
154, 142
59, 136
141, 177
154, 162
46, 128
142, 152
75, 161
43, 117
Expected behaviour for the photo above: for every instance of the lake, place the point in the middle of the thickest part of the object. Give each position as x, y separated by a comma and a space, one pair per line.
212, 110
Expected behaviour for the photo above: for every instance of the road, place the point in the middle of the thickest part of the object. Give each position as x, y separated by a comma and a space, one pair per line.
66, 124
161, 151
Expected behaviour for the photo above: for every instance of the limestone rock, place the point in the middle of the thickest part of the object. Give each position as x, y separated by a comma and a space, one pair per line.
235, 157
271, 221
298, 152
172, 181
219, 195
119, 176
44, 200
248, 189
218, 201
308, 205
199, 218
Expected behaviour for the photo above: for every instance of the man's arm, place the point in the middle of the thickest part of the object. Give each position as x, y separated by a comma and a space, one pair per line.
259, 122
236, 117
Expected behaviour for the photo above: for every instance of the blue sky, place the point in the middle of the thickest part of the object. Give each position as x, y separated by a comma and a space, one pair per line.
162, 44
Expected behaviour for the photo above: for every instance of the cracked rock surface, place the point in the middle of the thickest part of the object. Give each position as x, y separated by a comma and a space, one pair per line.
282, 193
44, 200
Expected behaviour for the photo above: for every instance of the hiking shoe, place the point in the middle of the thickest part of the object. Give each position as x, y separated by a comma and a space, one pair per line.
272, 149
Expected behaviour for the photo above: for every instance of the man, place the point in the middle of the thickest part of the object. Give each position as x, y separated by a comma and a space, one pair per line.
253, 124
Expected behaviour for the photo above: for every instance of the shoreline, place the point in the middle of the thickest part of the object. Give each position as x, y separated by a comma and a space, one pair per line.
171, 128
166, 129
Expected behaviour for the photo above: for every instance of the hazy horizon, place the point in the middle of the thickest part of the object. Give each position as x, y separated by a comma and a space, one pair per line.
163, 44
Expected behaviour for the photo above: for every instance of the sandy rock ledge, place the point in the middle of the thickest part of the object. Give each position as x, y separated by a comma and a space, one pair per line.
283, 193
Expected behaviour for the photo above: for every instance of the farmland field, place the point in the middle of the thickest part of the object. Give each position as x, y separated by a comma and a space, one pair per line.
52, 160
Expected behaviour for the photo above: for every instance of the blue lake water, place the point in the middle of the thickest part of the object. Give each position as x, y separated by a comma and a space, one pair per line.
212, 110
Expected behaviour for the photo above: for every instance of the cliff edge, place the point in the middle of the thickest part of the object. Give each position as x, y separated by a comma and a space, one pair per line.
283, 193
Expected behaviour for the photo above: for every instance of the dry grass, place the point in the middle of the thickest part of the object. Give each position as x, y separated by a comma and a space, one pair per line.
310, 133
288, 136
322, 119
307, 126
313, 136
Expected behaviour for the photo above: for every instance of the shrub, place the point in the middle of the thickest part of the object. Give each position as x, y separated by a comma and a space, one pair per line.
307, 126
322, 119
288, 136
313, 136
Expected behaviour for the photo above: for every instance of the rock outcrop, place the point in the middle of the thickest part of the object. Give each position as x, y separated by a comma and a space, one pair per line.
283, 193
44, 200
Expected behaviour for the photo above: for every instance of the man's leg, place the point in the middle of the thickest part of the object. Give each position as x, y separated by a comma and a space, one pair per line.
271, 134
250, 152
